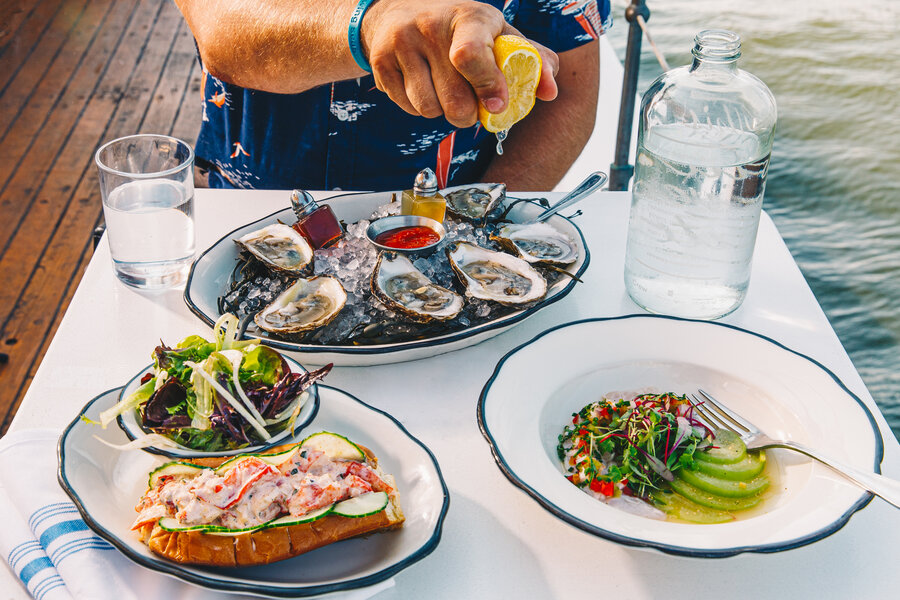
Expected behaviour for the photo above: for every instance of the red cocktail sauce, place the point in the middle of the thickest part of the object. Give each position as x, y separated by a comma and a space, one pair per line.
407, 238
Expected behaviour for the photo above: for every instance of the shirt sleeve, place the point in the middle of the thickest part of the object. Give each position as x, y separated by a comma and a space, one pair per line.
563, 24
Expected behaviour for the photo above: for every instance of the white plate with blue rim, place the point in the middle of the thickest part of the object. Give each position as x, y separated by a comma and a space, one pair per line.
782, 391
132, 425
211, 272
105, 484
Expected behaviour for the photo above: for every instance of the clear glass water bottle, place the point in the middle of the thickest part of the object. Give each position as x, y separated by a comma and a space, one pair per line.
704, 141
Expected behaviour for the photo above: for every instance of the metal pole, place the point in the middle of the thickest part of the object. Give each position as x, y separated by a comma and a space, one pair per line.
621, 170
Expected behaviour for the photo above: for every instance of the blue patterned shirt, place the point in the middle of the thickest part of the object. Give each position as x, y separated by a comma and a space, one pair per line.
350, 135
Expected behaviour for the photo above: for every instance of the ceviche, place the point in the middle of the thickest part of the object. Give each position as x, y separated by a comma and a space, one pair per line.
651, 454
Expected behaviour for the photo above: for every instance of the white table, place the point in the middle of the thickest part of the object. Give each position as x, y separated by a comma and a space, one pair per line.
497, 542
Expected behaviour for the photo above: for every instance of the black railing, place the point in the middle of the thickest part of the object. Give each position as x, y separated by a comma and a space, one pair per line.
621, 170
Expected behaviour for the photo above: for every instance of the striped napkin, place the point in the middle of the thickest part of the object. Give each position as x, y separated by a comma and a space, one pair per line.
57, 557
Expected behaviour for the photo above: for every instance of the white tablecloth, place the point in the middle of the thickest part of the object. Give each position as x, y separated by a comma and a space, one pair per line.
497, 542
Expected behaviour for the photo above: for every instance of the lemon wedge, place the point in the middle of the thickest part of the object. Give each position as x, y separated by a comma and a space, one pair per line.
520, 63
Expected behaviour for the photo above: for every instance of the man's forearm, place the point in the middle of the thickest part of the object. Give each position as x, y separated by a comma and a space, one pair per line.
542, 147
282, 46
431, 58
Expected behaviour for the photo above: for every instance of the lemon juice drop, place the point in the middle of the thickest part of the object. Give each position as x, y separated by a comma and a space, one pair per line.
501, 137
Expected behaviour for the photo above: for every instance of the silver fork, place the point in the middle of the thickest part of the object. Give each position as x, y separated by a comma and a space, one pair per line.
719, 416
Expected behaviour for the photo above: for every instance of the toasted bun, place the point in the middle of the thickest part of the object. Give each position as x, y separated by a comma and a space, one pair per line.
269, 545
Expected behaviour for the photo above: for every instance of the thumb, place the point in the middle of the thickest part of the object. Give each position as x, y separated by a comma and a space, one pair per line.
472, 54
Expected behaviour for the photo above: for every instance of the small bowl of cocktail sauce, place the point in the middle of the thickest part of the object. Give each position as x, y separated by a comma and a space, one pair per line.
407, 234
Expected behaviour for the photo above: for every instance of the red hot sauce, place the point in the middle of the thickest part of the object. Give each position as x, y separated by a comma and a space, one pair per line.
407, 238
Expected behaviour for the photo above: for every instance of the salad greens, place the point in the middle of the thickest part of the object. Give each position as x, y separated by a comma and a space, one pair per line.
631, 447
219, 395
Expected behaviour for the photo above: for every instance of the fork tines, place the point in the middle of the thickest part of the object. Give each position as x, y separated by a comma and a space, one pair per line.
721, 415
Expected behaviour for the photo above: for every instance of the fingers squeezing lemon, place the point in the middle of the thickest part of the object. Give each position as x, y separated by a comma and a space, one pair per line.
521, 66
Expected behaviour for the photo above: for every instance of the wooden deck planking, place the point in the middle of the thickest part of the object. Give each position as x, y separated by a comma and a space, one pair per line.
48, 66
50, 169
138, 74
26, 22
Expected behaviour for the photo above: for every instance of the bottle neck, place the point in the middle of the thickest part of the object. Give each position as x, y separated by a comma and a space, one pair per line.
425, 183
303, 203
716, 49
424, 193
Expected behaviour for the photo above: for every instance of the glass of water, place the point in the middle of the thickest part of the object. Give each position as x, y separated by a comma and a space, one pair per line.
147, 186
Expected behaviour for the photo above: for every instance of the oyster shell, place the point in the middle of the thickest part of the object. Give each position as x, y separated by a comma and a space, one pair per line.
280, 248
308, 304
475, 203
397, 283
496, 276
538, 243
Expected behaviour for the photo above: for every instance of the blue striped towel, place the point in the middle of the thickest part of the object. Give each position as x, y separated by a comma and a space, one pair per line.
56, 556
43, 537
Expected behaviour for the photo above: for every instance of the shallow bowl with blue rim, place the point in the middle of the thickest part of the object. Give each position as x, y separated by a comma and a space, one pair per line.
131, 425
536, 388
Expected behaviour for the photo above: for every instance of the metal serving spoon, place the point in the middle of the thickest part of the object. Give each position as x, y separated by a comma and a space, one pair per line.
584, 189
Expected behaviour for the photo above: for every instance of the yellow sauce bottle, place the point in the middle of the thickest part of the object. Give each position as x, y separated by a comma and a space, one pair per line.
424, 200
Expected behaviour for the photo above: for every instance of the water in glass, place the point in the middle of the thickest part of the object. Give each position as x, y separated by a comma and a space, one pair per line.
151, 232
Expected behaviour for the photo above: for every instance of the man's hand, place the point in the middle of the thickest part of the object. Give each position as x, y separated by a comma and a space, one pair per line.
436, 58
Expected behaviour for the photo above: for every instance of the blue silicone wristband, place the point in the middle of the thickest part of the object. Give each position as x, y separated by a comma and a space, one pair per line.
353, 34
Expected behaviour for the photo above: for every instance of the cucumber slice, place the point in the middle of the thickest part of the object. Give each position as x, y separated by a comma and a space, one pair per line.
361, 506
170, 524
217, 530
174, 469
728, 448
748, 468
308, 517
333, 445
681, 508
273, 459
705, 498
725, 487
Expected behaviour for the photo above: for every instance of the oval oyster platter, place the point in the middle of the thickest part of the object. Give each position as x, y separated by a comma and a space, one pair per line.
365, 331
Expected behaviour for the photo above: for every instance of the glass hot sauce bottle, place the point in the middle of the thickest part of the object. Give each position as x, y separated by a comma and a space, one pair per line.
316, 223
424, 200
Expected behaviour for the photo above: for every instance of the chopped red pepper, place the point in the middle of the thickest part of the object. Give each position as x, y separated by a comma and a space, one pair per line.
607, 488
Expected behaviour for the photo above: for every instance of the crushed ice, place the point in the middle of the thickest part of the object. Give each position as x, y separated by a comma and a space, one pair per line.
364, 318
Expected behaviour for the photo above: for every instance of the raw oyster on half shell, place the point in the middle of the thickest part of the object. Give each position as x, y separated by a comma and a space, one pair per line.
475, 203
401, 286
538, 243
280, 248
496, 276
308, 304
